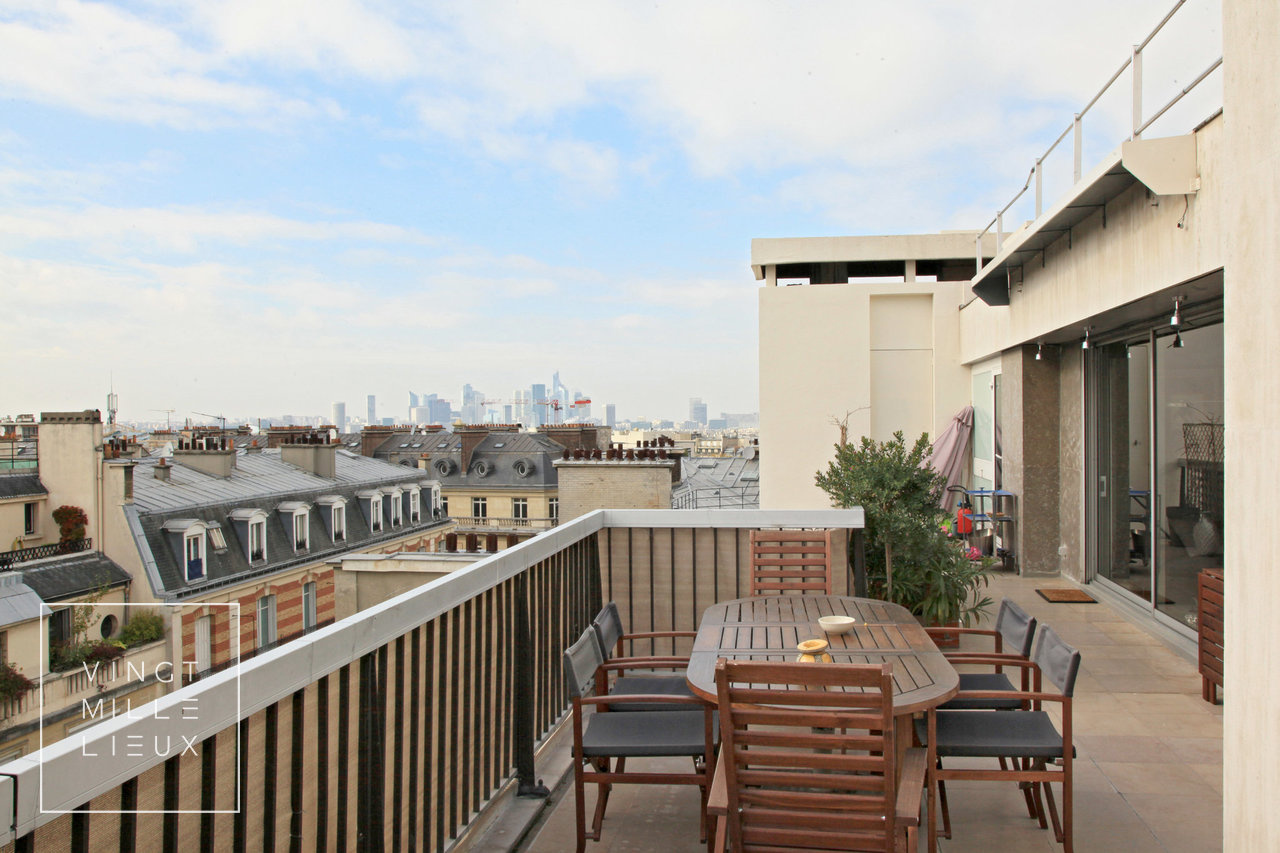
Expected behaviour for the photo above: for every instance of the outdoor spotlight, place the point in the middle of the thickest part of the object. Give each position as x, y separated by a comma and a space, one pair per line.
1039, 347
1177, 340
1085, 343
1176, 319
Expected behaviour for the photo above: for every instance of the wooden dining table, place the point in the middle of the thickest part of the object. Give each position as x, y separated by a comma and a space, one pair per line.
769, 627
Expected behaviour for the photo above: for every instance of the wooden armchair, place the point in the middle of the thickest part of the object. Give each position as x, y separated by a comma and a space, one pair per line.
808, 760
638, 674
784, 561
1026, 738
1013, 634
602, 742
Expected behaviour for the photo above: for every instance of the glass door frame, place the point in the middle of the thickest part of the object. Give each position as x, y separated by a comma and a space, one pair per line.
1154, 333
1093, 545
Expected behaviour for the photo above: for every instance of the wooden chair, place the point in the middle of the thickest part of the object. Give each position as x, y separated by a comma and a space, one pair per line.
1013, 627
808, 760
785, 561
1013, 634
602, 742
1026, 738
614, 641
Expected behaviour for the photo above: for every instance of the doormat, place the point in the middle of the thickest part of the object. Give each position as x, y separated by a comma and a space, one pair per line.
1066, 596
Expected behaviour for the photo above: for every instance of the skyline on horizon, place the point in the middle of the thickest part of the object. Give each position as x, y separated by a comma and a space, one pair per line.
228, 205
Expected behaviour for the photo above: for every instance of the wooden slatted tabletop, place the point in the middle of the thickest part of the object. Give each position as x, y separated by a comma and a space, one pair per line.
770, 627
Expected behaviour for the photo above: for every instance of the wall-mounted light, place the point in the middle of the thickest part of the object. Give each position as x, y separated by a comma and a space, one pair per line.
1176, 319
1085, 343
1039, 349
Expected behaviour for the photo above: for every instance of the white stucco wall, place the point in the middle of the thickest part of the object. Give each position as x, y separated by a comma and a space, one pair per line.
1139, 250
1251, 182
886, 353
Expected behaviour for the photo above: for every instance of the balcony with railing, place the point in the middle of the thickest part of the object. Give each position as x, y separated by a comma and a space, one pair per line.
503, 523
9, 559
400, 728
56, 691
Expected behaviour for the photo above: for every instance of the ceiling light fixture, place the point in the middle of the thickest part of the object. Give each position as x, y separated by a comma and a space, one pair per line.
1039, 349
1085, 343
1176, 319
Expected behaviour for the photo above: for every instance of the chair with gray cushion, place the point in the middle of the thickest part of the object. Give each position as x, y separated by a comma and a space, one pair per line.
602, 742
659, 674
1026, 738
1013, 634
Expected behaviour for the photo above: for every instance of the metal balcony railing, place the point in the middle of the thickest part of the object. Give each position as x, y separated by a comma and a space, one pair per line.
1139, 122
490, 522
53, 549
393, 729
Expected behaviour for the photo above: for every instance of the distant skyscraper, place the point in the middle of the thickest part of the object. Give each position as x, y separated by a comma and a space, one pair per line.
340, 416
610, 414
540, 406
697, 411
413, 404
373, 410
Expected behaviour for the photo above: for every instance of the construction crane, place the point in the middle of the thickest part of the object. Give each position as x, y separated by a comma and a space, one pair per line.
222, 420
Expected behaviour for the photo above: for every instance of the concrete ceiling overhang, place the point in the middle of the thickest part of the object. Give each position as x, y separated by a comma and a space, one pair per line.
1166, 166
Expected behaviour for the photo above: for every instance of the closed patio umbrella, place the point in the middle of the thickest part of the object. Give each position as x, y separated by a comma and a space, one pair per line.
950, 451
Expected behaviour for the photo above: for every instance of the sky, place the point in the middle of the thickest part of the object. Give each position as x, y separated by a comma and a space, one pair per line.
260, 207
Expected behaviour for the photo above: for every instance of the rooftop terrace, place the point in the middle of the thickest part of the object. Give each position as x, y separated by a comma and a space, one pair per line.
414, 724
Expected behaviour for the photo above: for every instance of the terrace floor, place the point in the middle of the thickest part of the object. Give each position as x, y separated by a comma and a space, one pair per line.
1148, 767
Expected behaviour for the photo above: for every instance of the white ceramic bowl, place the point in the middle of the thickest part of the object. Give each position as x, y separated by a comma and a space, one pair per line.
836, 624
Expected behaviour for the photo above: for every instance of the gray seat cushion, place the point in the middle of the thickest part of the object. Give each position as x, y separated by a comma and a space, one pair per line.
645, 733
657, 685
985, 681
978, 734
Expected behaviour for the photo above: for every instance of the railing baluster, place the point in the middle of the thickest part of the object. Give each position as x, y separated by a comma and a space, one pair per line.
322, 765
297, 738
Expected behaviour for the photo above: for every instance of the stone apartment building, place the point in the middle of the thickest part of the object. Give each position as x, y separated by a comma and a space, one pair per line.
236, 546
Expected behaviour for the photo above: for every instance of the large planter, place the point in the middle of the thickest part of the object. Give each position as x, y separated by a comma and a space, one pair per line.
944, 639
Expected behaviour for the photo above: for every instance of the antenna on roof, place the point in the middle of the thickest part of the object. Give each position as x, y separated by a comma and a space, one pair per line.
168, 427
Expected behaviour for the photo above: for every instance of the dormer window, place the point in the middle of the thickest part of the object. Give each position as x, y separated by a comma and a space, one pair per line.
251, 526
188, 537
334, 515
296, 517
371, 503
193, 549
301, 540
257, 540
396, 506
415, 506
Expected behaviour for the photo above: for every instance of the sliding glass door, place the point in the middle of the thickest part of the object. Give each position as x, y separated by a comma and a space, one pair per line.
1154, 468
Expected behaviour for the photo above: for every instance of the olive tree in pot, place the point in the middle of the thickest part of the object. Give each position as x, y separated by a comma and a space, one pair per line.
911, 559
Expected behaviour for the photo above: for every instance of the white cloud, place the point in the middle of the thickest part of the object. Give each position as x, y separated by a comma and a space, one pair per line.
189, 229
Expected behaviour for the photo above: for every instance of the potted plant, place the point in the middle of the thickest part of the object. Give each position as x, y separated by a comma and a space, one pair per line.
911, 559
13, 684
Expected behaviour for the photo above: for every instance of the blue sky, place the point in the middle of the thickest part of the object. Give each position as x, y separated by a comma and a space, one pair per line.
256, 207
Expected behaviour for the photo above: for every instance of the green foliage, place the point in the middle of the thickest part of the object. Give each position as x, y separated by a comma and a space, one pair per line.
145, 626
911, 560
72, 522
12, 682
